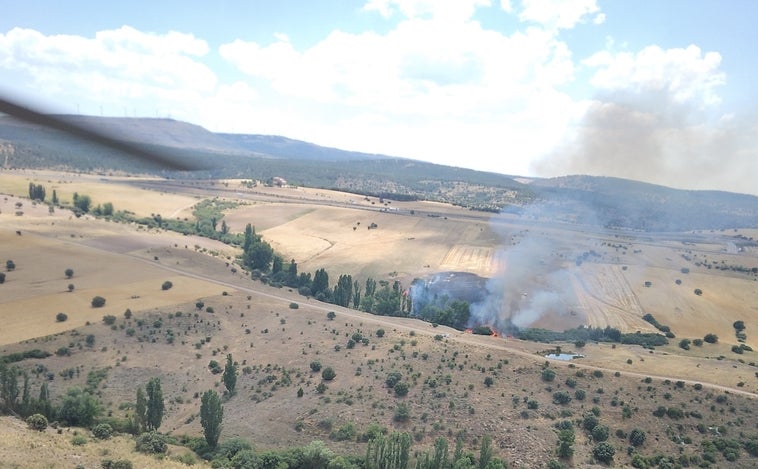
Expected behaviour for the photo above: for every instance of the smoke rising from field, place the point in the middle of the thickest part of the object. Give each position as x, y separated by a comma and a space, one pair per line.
651, 137
529, 284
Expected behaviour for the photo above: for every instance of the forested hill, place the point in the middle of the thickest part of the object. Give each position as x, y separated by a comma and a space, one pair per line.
609, 202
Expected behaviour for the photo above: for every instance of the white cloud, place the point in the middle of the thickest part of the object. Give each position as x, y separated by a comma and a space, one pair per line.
686, 74
560, 14
123, 63
428, 89
440, 9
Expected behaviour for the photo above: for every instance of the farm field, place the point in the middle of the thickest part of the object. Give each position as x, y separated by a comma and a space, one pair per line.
546, 275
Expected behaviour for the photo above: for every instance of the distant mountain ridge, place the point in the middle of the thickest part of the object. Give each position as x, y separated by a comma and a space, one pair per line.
610, 202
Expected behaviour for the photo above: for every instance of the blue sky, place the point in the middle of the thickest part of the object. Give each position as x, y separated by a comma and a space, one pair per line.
655, 91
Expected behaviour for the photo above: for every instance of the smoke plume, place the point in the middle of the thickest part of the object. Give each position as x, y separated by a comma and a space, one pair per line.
651, 137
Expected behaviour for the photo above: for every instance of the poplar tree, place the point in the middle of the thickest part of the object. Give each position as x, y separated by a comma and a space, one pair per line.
230, 375
211, 416
155, 406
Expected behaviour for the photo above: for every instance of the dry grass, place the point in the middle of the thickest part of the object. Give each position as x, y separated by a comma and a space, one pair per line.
257, 326
22, 447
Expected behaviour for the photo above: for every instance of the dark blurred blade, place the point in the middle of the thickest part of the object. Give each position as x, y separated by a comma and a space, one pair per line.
158, 159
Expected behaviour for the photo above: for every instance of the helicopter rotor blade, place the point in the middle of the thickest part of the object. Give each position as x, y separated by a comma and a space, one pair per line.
27, 114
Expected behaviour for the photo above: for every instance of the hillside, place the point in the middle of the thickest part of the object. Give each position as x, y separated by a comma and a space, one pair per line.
606, 202
707, 393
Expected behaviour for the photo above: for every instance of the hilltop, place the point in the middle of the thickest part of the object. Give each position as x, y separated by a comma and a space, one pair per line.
607, 202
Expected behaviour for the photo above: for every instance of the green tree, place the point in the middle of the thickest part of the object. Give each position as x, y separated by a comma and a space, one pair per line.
320, 285
69, 272
10, 265
140, 411
230, 375
82, 202
9, 390
485, 453
389, 452
711, 338
211, 417
566, 443
55, 198
155, 406
2, 277
98, 302
250, 237
259, 256
79, 408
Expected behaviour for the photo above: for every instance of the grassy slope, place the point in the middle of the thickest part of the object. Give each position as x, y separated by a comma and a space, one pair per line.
282, 341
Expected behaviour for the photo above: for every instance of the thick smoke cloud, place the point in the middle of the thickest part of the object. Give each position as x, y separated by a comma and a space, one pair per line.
653, 138
532, 282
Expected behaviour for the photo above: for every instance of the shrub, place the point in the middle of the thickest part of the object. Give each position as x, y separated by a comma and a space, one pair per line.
294, 306
69, 273
380, 333
402, 414
109, 319
78, 440
61, 317
600, 433
37, 422
2, 277
102, 431
344, 433
604, 452
684, 344
331, 315
548, 375
315, 366
166, 285
151, 443
711, 338
117, 464
561, 397
98, 302
637, 437
328, 374
401, 389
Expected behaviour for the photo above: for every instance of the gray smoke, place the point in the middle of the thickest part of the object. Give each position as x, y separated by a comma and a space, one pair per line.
531, 282
649, 137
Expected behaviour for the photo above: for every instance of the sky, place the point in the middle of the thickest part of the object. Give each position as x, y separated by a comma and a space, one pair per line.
661, 92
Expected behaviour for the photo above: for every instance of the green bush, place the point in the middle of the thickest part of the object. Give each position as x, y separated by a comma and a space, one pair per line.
98, 302
102, 431
328, 374
604, 452
78, 440
548, 375
61, 317
166, 285
37, 422
344, 433
401, 389
151, 443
